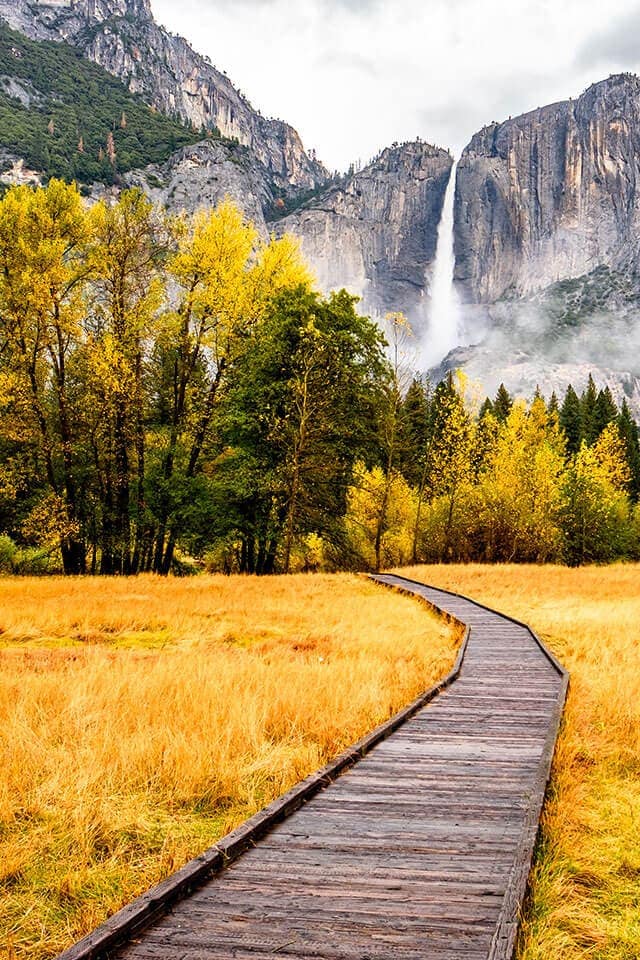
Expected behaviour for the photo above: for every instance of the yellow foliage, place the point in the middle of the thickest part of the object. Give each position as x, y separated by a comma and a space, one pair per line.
364, 504
520, 490
610, 455
42, 233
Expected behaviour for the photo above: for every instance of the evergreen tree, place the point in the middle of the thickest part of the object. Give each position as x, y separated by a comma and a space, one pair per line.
589, 431
553, 407
605, 411
571, 420
502, 404
414, 432
487, 407
629, 433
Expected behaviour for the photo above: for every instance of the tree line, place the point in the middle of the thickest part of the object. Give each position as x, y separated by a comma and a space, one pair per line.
175, 395
504, 480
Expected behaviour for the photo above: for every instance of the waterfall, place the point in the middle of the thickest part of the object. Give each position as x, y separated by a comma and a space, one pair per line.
443, 331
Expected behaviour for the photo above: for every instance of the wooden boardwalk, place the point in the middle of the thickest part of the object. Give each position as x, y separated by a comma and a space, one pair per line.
420, 851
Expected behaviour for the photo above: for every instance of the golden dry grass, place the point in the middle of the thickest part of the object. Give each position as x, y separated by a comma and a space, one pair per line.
585, 899
141, 719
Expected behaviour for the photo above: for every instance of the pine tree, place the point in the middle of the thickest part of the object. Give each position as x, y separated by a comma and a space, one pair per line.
588, 422
487, 407
553, 407
571, 420
502, 404
605, 411
414, 432
629, 432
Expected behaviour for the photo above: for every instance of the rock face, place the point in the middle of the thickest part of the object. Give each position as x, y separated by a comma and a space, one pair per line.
376, 232
551, 195
201, 176
122, 36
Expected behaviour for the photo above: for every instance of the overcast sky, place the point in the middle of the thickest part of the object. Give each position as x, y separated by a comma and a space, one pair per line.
355, 75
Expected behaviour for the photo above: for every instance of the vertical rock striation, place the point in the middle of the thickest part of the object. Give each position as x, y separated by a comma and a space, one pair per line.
376, 232
551, 195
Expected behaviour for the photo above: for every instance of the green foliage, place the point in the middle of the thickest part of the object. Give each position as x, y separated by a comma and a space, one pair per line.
69, 108
571, 420
502, 404
27, 561
300, 412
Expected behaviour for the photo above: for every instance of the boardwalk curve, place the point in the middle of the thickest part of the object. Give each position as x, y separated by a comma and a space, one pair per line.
416, 843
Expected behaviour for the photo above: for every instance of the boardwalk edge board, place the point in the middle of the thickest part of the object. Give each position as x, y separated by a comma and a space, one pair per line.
149, 907
503, 944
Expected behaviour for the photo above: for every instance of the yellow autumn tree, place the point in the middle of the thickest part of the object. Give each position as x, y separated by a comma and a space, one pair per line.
225, 275
443, 529
597, 511
43, 235
128, 243
520, 489
369, 546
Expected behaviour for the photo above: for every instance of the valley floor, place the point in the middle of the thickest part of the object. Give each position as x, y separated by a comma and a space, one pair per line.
142, 719
584, 900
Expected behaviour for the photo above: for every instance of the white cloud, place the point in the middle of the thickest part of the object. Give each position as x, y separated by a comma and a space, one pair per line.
354, 75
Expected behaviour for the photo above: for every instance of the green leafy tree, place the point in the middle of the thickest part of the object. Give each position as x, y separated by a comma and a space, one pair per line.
300, 412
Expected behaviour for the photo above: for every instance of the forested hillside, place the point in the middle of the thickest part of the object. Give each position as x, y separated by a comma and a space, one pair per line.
175, 395
68, 118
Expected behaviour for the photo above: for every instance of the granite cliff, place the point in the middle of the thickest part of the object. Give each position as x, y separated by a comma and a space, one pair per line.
551, 195
375, 232
202, 175
123, 37
547, 241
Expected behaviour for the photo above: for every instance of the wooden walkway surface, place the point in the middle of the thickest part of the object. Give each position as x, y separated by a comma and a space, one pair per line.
420, 851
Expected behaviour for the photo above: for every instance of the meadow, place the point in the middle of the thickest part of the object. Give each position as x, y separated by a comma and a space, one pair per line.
142, 719
585, 894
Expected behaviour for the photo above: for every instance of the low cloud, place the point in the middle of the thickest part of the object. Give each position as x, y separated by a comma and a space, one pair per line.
616, 46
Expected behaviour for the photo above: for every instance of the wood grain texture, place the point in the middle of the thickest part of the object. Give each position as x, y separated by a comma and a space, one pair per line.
415, 843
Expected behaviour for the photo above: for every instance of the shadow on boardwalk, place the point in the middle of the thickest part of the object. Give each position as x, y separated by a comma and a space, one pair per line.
421, 849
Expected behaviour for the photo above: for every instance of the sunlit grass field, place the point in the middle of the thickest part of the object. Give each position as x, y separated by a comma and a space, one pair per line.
142, 719
586, 886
